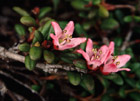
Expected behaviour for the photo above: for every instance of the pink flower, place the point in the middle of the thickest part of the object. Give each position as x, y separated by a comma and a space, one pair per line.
114, 63
63, 38
95, 57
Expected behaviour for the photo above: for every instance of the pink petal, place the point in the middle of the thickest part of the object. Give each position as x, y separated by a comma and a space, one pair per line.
64, 47
111, 47
104, 53
55, 39
76, 41
126, 69
122, 59
69, 28
85, 55
109, 68
94, 63
56, 28
89, 47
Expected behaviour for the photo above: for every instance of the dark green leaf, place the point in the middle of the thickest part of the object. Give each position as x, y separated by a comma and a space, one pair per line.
21, 11
28, 21
25, 47
44, 11
109, 24
80, 63
36, 87
20, 30
48, 56
35, 53
29, 64
74, 78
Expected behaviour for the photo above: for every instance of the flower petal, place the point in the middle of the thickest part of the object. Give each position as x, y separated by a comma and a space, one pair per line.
63, 47
69, 28
104, 53
111, 47
55, 39
89, 47
109, 68
56, 28
76, 41
95, 63
122, 60
85, 55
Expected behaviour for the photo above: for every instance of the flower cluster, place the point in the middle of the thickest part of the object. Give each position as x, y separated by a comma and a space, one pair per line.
102, 58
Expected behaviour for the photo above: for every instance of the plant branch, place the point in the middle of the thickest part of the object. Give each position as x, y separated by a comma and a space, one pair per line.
50, 68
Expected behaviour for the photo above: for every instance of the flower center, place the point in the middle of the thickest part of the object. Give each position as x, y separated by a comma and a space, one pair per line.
96, 56
65, 40
114, 59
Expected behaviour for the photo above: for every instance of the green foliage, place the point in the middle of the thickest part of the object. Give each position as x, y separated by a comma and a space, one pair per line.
25, 47
74, 78
35, 53
80, 63
28, 21
44, 11
36, 87
48, 56
38, 37
103, 12
20, 30
29, 63
21, 11
109, 24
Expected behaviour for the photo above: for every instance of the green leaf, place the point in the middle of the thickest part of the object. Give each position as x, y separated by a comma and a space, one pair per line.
46, 29
36, 87
130, 82
44, 11
106, 97
25, 47
79, 5
48, 56
122, 93
80, 63
74, 78
137, 18
109, 24
28, 21
79, 30
55, 4
38, 37
29, 64
87, 82
116, 78
96, 2
128, 19
103, 12
20, 30
68, 57
118, 41
135, 96
21, 11
35, 53
138, 84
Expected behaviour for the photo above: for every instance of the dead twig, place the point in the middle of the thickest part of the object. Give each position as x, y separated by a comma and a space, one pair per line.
50, 68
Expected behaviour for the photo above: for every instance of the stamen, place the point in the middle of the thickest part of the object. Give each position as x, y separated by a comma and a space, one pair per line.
117, 63
94, 50
97, 57
100, 52
64, 31
115, 57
